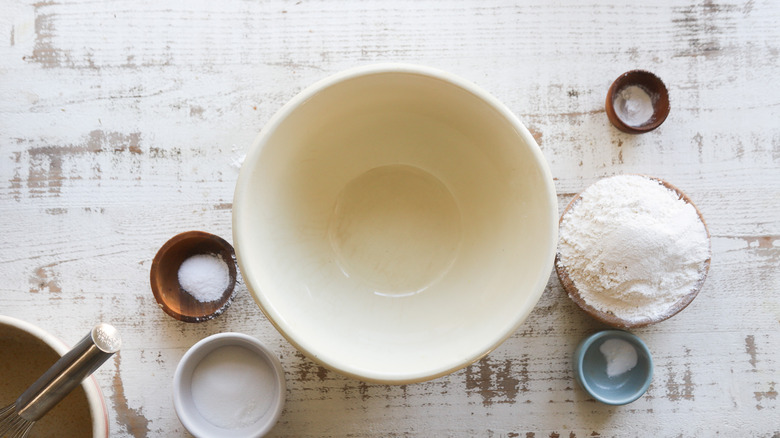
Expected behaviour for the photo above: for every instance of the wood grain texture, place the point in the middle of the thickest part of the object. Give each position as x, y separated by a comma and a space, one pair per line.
124, 123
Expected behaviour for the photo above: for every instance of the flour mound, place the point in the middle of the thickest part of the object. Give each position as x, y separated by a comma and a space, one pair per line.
632, 247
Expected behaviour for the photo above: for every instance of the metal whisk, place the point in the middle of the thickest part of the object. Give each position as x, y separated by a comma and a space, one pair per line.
18, 418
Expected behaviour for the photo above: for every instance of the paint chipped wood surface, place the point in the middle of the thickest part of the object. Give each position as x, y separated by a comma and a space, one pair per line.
123, 123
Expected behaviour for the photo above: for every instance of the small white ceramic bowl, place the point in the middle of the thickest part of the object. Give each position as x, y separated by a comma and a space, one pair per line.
395, 222
27, 352
229, 385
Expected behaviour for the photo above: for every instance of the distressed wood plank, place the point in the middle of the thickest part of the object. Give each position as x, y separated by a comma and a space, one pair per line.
124, 124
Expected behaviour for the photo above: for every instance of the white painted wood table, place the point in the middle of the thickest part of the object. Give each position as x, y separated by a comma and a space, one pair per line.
123, 123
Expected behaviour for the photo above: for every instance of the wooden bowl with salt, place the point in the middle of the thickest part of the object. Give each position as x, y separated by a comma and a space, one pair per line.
211, 276
612, 318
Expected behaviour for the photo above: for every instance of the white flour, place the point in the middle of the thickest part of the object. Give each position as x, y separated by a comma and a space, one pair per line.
632, 247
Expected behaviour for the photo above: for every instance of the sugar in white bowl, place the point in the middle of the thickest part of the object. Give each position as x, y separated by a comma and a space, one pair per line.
395, 222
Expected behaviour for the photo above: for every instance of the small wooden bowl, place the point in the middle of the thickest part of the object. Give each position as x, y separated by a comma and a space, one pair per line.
164, 276
659, 96
608, 317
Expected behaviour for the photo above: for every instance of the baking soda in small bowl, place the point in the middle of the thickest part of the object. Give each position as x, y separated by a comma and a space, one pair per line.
634, 105
613, 366
229, 385
620, 355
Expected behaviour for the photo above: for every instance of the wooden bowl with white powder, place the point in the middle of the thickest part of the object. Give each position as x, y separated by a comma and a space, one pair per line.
633, 250
193, 276
637, 102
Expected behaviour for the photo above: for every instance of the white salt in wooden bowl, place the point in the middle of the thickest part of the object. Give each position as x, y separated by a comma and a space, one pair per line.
395, 222
172, 298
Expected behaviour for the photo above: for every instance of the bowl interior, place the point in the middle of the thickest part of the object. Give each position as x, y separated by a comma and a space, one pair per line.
395, 225
619, 389
25, 358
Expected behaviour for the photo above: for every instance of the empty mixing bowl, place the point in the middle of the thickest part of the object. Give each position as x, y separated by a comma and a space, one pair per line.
395, 222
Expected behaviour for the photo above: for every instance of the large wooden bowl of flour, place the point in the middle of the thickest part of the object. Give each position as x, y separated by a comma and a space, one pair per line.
633, 250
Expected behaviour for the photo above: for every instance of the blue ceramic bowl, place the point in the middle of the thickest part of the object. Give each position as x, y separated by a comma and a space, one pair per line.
590, 369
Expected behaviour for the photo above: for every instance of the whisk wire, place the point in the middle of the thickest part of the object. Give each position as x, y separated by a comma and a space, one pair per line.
7, 415
12, 425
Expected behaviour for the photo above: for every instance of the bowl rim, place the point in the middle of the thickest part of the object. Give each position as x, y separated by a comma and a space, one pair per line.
285, 328
584, 346
198, 352
95, 399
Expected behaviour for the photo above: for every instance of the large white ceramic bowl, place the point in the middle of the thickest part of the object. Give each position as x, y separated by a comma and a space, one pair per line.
395, 222
27, 351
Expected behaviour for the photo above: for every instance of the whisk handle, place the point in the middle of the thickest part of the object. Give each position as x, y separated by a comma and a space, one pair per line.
68, 372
